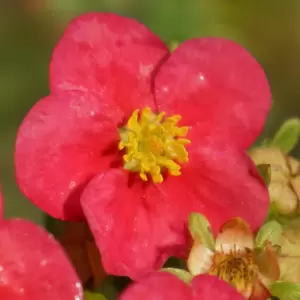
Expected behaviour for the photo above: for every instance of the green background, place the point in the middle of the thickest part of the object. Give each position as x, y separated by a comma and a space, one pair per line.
29, 30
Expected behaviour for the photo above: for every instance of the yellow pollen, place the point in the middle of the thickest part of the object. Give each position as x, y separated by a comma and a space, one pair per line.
152, 144
237, 268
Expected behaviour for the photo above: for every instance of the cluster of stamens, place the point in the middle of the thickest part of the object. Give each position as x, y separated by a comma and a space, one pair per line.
237, 268
152, 144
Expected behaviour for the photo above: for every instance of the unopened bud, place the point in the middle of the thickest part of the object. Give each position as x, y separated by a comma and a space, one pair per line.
284, 187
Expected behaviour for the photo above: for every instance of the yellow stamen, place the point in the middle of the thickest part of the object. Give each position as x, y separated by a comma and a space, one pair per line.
152, 144
237, 268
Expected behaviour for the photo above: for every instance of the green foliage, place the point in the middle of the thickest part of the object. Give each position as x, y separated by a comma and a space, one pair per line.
287, 136
199, 228
173, 45
93, 296
181, 274
285, 290
271, 231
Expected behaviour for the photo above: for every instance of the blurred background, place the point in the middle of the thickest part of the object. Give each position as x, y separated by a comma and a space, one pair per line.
29, 30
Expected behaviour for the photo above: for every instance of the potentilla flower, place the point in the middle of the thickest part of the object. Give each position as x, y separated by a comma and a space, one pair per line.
33, 265
165, 286
134, 138
235, 260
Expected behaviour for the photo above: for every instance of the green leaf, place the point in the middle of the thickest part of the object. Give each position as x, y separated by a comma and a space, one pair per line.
272, 213
173, 45
271, 232
93, 296
199, 228
181, 274
265, 172
285, 290
288, 135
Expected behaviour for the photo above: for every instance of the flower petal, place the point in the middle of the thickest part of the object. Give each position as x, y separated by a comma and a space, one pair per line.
235, 234
268, 265
200, 259
284, 197
158, 286
149, 222
260, 292
132, 225
110, 56
223, 81
137, 225
223, 183
32, 263
289, 269
165, 286
294, 166
60, 145
207, 287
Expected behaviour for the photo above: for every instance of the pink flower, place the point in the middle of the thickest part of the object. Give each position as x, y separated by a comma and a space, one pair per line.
165, 286
134, 138
33, 265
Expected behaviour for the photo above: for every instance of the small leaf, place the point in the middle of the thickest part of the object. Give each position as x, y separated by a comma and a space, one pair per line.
288, 135
173, 45
271, 232
93, 296
181, 274
285, 290
265, 172
200, 230
272, 213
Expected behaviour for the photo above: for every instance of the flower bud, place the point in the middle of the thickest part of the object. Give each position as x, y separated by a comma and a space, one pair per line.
289, 257
284, 187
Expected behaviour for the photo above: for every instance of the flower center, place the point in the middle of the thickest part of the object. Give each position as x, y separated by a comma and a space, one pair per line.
237, 268
153, 143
